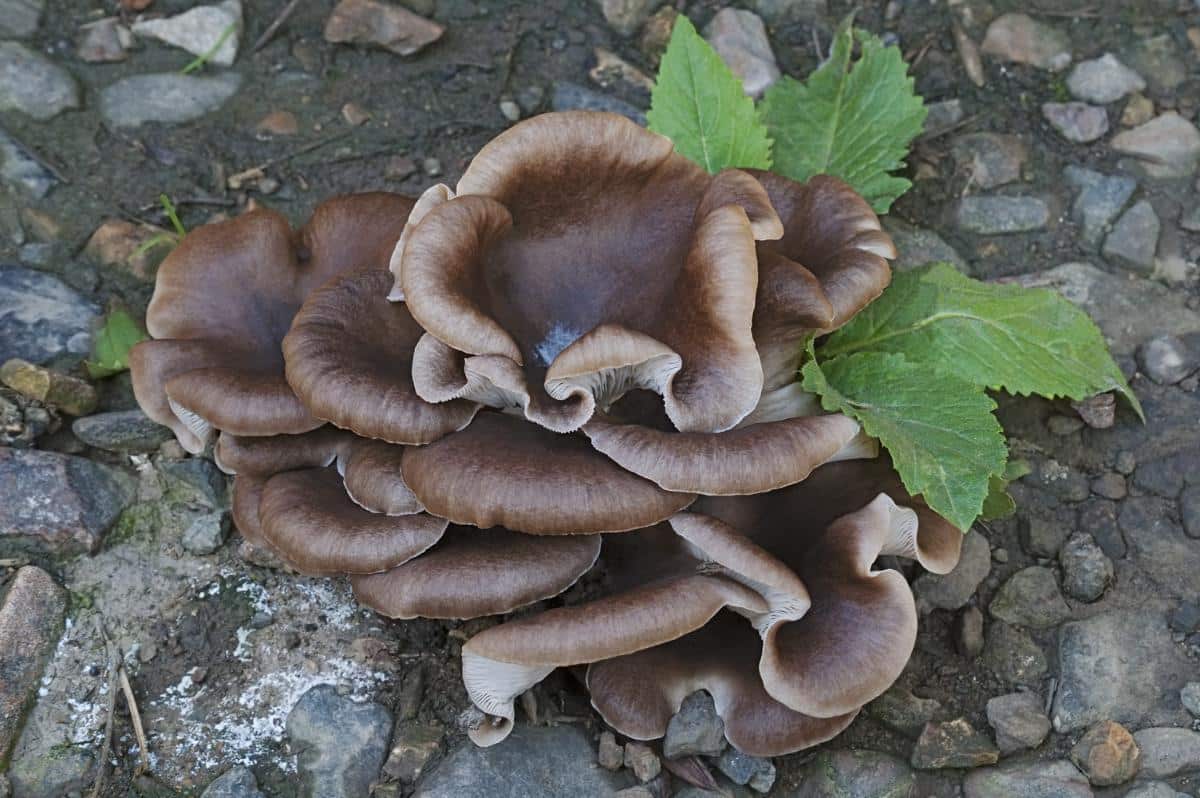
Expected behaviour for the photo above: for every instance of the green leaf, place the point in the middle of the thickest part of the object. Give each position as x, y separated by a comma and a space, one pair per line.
999, 504
1022, 340
111, 345
853, 121
699, 104
938, 428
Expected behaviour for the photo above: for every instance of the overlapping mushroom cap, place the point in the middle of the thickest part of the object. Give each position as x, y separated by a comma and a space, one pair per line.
583, 353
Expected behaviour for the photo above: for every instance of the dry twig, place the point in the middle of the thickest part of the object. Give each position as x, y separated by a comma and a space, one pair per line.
274, 27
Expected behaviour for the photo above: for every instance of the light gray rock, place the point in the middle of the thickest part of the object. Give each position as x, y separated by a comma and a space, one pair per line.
19, 169
206, 533
776, 11
533, 762
1013, 655
695, 729
1018, 720
1155, 789
943, 115
33, 84
991, 159
41, 317
952, 744
743, 769
1076, 122
1189, 696
122, 431
1159, 60
1043, 537
1134, 238
627, 16
199, 30
901, 711
166, 97
1031, 598
237, 782
1167, 146
31, 619
1087, 571
1100, 199
1168, 359
1167, 752
918, 246
740, 38
57, 503
858, 773
1159, 545
953, 590
1020, 39
1057, 779
569, 96
20, 18
340, 743
996, 215
1120, 666
1103, 80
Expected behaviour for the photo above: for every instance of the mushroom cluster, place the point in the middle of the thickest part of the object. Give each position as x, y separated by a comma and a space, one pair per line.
580, 359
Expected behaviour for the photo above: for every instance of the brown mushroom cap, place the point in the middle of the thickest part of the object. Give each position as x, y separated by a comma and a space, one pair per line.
349, 359
547, 259
504, 471
225, 297
269, 455
637, 694
476, 572
309, 520
374, 480
247, 495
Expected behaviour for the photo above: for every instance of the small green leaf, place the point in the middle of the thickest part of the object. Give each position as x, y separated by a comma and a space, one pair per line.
699, 104
852, 121
999, 504
938, 428
1022, 340
172, 214
111, 344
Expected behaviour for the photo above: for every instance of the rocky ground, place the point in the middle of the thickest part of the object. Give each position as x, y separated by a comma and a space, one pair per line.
1061, 658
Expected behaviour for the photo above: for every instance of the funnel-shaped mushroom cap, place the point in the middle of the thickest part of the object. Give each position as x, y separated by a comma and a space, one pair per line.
349, 359
311, 523
582, 257
475, 572
223, 300
639, 693
374, 479
247, 495
504, 471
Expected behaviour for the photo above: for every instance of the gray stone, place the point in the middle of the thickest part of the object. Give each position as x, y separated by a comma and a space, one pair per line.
1110, 485
901, 711
740, 38
968, 628
1013, 655
206, 533
609, 752
1057, 779
642, 761
533, 762
31, 619
952, 744
1160, 61
195, 480
1158, 544
1167, 146
20, 18
20, 170
1134, 238
783, 11
413, 746
1167, 476
1154, 789
122, 431
1077, 122
1167, 359
1020, 39
854, 773
57, 502
943, 115
953, 590
237, 782
573, 97
42, 318
1186, 617
166, 97
1019, 721
104, 41
1087, 572
918, 246
63, 771
626, 16
1189, 696
695, 729
1103, 80
992, 159
743, 769
33, 84
1167, 752
340, 743
200, 30
1031, 598
385, 25
1108, 754
996, 215
1043, 537
1098, 202
1120, 666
